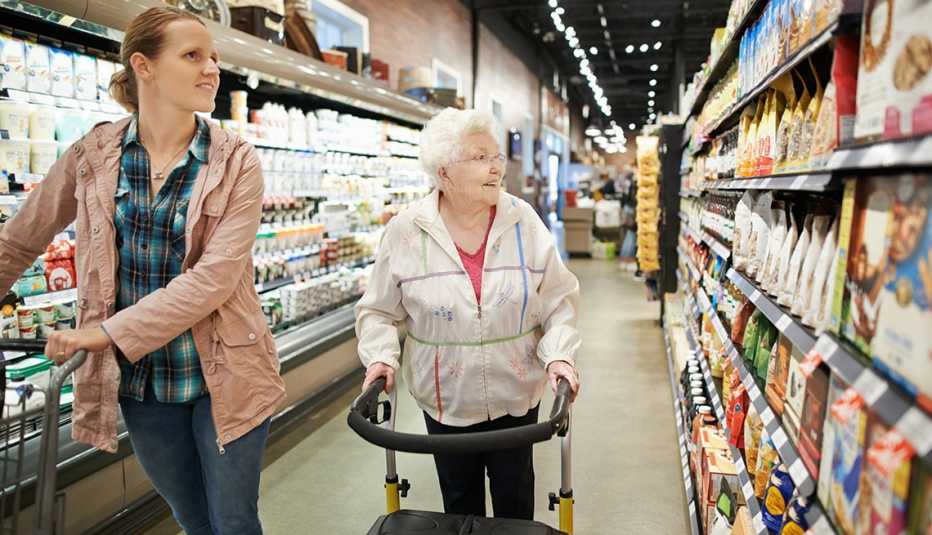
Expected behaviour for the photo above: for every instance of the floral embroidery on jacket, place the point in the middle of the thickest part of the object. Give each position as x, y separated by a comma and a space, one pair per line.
518, 367
443, 312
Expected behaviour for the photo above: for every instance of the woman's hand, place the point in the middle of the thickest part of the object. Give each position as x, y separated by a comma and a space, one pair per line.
561, 368
62, 345
380, 369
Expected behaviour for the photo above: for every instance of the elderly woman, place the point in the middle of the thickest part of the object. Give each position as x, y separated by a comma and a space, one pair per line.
489, 309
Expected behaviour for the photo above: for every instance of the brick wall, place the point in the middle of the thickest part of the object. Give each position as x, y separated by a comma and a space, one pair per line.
409, 33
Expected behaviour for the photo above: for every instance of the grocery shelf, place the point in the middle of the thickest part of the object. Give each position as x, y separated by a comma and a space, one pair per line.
690, 193
800, 335
319, 272
717, 247
814, 181
731, 117
747, 488
728, 56
910, 152
893, 406
691, 232
694, 271
682, 439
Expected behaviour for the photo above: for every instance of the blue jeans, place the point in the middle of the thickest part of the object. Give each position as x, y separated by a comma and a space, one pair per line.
209, 493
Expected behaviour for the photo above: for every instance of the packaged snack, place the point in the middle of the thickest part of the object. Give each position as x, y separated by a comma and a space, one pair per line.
761, 221
768, 138
62, 71
785, 86
778, 374
835, 124
753, 428
752, 335
836, 387
14, 118
894, 85
779, 491
740, 323
744, 140
85, 77
797, 127
791, 277
801, 159
60, 275
889, 467
823, 267
849, 419
778, 276
795, 396
812, 420
886, 310
12, 63
767, 460
38, 73
737, 409
765, 351
776, 243
803, 289
794, 522
742, 231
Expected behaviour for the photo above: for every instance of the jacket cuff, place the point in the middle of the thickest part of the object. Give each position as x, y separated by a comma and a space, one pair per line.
385, 360
122, 337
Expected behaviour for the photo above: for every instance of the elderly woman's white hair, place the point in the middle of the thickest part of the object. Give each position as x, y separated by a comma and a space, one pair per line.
441, 139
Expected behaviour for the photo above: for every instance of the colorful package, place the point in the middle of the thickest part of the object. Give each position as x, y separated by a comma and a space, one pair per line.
767, 460
779, 491
889, 466
753, 429
85, 77
62, 72
812, 421
768, 339
894, 85
778, 374
885, 309
849, 419
38, 73
12, 63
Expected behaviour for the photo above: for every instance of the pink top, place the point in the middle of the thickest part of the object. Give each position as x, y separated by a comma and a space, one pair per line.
475, 262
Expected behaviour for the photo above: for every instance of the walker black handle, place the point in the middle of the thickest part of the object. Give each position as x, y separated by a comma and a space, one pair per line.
366, 405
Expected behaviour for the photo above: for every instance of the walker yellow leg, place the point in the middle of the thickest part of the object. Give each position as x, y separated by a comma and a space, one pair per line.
392, 501
566, 514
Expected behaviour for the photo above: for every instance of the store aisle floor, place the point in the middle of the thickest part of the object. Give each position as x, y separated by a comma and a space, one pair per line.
324, 479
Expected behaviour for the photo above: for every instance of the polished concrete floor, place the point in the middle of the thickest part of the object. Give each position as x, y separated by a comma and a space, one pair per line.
323, 479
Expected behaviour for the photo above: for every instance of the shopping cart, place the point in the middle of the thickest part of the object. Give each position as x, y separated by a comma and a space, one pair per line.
20, 423
378, 427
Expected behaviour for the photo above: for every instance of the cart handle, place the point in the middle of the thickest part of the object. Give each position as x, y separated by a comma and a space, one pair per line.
38, 346
363, 420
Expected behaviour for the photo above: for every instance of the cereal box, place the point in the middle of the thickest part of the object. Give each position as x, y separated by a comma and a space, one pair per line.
894, 84
885, 311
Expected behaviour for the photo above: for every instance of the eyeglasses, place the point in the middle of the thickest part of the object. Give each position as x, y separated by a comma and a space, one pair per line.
483, 159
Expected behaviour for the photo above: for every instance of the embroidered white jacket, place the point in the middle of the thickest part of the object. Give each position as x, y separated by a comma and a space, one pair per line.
466, 362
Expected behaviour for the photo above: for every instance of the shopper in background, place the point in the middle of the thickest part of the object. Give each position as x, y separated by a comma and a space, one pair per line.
489, 307
167, 208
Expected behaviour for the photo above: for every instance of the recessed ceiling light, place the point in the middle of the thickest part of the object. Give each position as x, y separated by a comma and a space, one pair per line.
553, 3
654, 67
653, 116
650, 102
655, 23
593, 50
604, 22
570, 31
559, 11
584, 62
644, 47
601, 139
574, 42
579, 53
657, 45
591, 131
629, 49
653, 82
651, 94
632, 126
560, 26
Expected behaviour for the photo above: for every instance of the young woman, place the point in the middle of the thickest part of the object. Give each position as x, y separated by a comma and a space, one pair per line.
166, 206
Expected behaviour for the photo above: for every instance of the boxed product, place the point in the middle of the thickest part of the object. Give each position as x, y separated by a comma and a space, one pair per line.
888, 471
12, 63
848, 419
813, 420
884, 309
414, 78
778, 374
38, 68
717, 467
776, 498
795, 396
894, 85
337, 58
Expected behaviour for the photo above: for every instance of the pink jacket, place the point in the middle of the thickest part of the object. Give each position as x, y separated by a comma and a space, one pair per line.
215, 296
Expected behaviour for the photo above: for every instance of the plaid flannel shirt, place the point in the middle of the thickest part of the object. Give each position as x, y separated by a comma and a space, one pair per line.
151, 245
